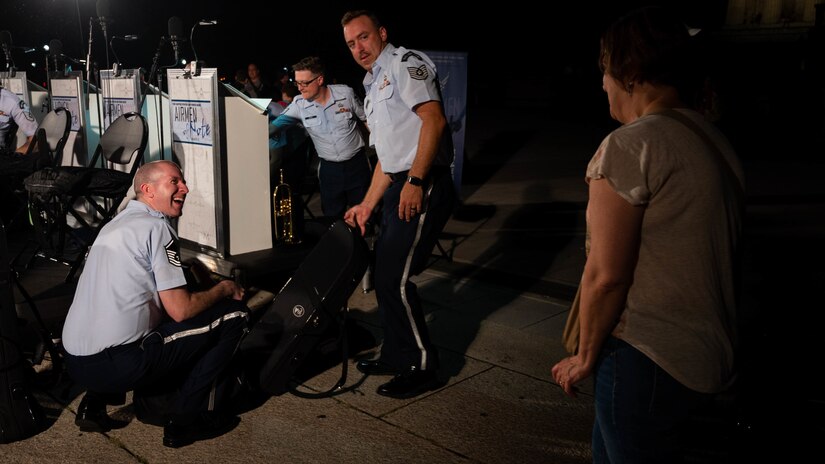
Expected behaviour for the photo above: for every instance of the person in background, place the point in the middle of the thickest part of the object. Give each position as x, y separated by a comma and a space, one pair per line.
241, 80
412, 178
256, 86
658, 303
331, 114
14, 114
15, 163
282, 80
148, 328
288, 93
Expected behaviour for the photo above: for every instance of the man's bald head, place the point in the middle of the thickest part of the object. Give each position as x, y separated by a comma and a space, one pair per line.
149, 173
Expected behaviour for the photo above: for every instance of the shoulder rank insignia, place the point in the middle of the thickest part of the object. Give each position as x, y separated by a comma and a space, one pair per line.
420, 73
409, 54
172, 254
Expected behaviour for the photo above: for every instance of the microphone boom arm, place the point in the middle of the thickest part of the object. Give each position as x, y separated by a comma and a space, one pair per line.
154, 69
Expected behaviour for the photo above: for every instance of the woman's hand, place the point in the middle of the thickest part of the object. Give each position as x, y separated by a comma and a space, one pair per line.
569, 372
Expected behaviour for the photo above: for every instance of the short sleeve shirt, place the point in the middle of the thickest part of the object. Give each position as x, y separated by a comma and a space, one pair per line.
400, 80
333, 126
13, 109
133, 258
680, 309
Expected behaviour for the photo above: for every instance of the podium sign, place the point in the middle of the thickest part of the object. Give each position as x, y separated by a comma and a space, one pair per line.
121, 94
65, 93
193, 105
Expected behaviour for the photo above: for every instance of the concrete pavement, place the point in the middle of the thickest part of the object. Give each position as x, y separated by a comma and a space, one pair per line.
497, 312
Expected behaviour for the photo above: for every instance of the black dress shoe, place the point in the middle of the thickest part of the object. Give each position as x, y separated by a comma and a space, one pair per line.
376, 367
92, 417
410, 383
207, 425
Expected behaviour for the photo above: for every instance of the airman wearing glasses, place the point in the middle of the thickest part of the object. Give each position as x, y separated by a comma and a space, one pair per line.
331, 115
412, 178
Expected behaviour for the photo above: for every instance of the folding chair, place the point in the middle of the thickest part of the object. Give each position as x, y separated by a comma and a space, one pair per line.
91, 195
51, 136
104, 189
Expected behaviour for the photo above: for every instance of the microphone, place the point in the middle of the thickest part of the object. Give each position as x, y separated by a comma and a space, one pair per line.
207, 22
127, 37
103, 14
5, 39
175, 35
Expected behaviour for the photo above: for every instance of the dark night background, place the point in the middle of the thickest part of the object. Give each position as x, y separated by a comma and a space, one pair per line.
505, 40
518, 57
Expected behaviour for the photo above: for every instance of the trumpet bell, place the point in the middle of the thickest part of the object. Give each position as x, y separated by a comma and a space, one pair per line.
282, 209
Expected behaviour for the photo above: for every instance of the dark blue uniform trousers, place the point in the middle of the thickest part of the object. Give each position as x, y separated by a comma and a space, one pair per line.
402, 251
197, 351
343, 183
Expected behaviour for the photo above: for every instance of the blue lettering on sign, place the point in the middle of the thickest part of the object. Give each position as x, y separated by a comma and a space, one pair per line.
203, 131
185, 114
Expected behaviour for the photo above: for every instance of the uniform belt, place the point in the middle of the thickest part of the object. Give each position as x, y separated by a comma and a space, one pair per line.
361, 152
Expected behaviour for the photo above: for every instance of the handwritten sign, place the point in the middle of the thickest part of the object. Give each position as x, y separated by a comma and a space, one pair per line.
65, 94
198, 222
192, 121
192, 107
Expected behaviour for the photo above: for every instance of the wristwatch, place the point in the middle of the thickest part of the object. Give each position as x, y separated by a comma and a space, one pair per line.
412, 180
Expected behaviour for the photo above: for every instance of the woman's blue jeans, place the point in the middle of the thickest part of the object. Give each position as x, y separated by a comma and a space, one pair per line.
640, 409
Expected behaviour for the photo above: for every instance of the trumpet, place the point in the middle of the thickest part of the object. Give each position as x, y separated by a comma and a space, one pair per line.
282, 205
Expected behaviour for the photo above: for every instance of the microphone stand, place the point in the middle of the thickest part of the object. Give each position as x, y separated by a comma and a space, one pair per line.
155, 69
92, 72
49, 86
99, 80
203, 22
10, 68
196, 71
89, 61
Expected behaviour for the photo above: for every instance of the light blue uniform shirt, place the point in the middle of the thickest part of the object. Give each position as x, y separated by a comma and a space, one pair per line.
333, 126
117, 302
400, 80
12, 108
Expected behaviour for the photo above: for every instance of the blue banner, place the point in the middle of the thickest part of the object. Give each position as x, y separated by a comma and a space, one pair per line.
452, 72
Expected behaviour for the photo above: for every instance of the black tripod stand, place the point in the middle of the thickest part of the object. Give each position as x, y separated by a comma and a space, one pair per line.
8, 281
20, 414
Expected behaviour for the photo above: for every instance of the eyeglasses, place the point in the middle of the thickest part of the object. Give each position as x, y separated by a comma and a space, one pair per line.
306, 83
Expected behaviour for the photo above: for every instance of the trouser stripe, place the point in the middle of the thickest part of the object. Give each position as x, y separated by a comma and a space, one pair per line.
406, 277
206, 328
